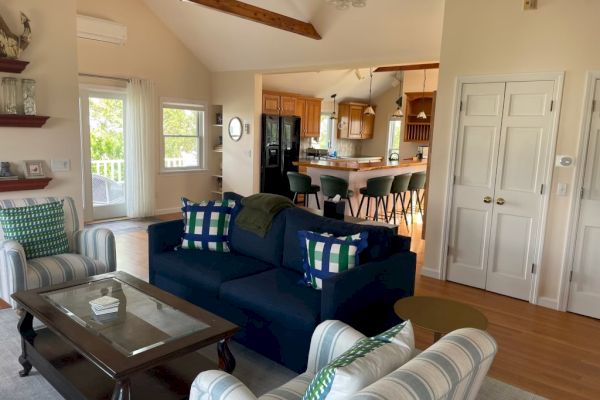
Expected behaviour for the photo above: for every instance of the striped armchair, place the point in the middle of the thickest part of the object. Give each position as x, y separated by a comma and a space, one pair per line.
92, 252
451, 369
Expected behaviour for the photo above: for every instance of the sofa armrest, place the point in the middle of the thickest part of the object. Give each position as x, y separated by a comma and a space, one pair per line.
364, 297
164, 236
98, 244
13, 270
457, 363
329, 340
219, 385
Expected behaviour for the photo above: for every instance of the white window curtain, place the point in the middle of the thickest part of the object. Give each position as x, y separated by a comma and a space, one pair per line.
140, 141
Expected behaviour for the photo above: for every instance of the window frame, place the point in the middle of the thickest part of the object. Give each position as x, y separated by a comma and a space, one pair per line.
391, 134
182, 104
330, 135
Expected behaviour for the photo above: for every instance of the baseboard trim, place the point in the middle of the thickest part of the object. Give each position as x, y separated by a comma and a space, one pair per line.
548, 302
164, 211
430, 272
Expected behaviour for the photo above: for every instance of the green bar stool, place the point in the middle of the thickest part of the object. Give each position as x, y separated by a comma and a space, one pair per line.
332, 186
378, 189
416, 184
399, 191
300, 183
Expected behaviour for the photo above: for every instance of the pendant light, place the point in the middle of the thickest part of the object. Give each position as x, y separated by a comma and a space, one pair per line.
398, 113
422, 114
369, 110
333, 116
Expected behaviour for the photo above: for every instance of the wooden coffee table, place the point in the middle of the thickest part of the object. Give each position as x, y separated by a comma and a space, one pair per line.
145, 351
441, 316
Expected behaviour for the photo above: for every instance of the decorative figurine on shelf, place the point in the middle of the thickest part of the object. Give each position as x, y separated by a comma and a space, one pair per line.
5, 173
12, 45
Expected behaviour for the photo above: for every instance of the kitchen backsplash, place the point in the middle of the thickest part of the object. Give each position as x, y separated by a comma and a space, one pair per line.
344, 147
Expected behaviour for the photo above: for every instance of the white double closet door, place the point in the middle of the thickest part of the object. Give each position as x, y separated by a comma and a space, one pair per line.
502, 154
584, 294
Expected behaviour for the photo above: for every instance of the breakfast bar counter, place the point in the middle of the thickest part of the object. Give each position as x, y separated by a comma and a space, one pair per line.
356, 173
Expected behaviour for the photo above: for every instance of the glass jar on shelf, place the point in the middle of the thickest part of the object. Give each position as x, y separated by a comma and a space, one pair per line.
9, 95
28, 87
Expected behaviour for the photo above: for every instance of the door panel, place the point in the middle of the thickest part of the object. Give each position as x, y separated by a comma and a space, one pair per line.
584, 295
522, 156
477, 149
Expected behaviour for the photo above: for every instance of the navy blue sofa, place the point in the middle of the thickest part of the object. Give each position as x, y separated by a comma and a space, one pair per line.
258, 284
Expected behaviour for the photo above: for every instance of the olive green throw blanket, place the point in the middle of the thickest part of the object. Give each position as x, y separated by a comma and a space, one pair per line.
259, 210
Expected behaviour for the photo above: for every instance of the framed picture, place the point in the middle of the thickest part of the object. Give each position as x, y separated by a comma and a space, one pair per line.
34, 169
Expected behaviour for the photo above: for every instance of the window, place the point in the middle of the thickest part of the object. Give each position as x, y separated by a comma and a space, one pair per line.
395, 130
325, 138
182, 137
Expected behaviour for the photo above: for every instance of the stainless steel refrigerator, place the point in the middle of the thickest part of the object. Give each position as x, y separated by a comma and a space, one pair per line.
280, 149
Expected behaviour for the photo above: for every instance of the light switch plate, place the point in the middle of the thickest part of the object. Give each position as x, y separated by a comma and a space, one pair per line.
60, 165
561, 189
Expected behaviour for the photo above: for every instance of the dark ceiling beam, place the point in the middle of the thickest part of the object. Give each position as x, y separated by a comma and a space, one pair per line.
261, 15
410, 67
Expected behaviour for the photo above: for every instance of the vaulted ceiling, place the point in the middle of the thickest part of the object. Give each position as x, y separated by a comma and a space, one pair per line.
384, 32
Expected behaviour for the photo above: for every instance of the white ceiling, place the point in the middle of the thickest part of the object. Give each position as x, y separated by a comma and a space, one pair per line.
384, 32
323, 84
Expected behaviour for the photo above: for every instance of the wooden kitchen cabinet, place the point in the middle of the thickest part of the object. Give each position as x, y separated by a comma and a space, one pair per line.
353, 123
279, 104
312, 118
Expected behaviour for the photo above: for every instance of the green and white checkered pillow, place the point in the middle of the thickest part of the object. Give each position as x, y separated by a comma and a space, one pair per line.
369, 360
39, 228
207, 224
325, 255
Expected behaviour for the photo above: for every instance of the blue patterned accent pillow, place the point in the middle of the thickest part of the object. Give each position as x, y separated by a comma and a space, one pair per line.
325, 255
39, 228
207, 224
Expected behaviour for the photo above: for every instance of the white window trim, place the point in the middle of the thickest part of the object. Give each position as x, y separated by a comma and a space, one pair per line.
390, 140
188, 105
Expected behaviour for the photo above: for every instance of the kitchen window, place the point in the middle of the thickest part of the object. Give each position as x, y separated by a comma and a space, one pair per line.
182, 144
395, 130
326, 133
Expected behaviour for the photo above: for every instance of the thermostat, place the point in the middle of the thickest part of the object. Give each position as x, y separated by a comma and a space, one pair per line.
564, 161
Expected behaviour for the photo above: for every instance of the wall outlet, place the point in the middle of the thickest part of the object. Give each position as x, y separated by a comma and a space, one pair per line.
529, 5
561, 189
60, 165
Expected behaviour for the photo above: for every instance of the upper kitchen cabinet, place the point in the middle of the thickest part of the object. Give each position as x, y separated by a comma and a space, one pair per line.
279, 104
418, 130
353, 123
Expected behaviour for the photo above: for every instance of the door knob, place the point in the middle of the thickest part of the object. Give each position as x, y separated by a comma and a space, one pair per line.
487, 199
500, 201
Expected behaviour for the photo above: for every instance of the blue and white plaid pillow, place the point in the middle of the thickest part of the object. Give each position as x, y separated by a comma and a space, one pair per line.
324, 255
207, 224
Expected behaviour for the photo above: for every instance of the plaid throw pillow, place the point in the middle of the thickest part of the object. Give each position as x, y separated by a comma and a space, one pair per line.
369, 360
325, 255
39, 228
207, 224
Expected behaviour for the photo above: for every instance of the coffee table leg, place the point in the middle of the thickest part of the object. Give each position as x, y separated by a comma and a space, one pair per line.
25, 327
226, 359
122, 390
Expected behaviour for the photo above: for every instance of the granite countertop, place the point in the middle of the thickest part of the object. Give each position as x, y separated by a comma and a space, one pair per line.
342, 165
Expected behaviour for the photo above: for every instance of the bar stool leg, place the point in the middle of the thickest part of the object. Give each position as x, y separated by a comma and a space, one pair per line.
419, 202
360, 206
317, 198
403, 200
295, 197
368, 206
395, 200
376, 215
350, 205
386, 202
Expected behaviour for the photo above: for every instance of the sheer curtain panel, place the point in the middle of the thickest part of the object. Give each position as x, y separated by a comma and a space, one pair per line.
140, 141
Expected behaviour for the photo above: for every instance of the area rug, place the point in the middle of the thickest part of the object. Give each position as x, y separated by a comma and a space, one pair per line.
256, 371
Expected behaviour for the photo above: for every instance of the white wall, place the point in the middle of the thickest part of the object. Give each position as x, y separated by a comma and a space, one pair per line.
386, 105
53, 64
151, 52
497, 37
240, 93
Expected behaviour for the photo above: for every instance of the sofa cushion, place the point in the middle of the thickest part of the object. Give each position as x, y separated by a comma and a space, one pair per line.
292, 390
205, 270
207, 224
276, 295
367, 361
379, 240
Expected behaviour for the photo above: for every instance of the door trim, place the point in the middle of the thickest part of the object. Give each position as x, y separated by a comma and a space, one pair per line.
558, 78
575, 208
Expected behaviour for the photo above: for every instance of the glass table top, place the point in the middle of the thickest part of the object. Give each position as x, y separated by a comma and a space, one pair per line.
139, 323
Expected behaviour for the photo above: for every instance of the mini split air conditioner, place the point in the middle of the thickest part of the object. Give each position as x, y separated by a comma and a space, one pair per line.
101, 30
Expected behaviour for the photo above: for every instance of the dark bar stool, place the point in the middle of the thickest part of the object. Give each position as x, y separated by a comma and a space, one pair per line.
332, 186
416, 184
300, 183
378, 189
399, 191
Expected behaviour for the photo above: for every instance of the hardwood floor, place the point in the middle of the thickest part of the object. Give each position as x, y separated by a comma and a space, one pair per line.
550, 353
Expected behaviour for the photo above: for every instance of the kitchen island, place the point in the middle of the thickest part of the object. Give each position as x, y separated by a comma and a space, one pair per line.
356, 173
